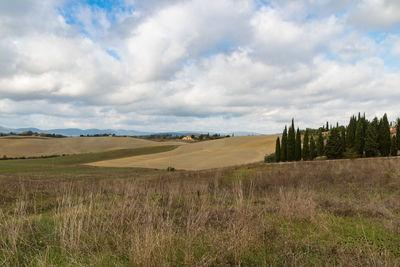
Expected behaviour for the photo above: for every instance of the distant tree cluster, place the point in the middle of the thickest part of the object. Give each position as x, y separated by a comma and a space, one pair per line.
194, 137
204, 137
360, 138
160, 137
30, 133
98, 135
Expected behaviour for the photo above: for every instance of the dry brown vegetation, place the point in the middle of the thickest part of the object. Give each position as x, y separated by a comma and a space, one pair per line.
343, 213
17, 146
203, 155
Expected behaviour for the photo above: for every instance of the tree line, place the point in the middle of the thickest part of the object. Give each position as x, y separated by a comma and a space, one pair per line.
360, 138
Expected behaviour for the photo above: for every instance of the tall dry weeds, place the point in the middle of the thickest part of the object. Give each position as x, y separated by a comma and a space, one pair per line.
244, 216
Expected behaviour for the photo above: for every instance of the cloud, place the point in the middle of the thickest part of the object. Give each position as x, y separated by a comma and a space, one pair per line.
376, 14
204, 65
280, 41
159, 45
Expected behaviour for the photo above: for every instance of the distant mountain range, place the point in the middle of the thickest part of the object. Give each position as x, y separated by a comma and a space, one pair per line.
78, 132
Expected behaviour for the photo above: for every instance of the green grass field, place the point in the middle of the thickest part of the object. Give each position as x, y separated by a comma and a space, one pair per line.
58, 212
74, 163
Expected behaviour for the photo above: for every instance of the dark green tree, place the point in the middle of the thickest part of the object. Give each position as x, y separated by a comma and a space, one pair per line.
320, 145
327, 126
291, 143
343, 138
351, 132
278, 150
398, 133
359, 140
313, 151
284, 145
365, 126
298, 146
333, 148
384, 137
393, 147
306, 147
371, 139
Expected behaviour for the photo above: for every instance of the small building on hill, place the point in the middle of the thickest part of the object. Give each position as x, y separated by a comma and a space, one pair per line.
393, 130
187, 138
326, 133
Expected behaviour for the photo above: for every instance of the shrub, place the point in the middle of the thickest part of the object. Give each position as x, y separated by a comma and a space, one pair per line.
170, 169
270, 158
351, 154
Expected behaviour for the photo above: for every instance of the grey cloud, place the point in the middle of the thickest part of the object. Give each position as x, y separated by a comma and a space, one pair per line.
376, 15
208, 65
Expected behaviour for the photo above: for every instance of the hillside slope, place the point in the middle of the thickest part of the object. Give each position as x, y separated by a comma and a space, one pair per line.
38, 146
204, 155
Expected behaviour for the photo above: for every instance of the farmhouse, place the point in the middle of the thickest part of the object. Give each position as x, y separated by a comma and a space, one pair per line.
326, 133
187, 138
393, 130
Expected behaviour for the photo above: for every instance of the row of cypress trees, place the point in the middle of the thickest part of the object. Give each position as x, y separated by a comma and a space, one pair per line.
291, 148
360, 138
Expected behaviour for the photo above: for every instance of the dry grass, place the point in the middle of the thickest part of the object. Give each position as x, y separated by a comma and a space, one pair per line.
38, 146
204, 155
319, 213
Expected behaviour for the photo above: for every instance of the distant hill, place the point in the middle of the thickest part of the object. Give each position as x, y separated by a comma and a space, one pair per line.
75, 131
5, 130
78, 132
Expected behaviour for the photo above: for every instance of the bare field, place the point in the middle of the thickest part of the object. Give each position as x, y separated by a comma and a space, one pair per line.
38, 146
203, 155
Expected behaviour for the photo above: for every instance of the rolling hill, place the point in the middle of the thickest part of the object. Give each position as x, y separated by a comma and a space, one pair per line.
16, 146
203, 155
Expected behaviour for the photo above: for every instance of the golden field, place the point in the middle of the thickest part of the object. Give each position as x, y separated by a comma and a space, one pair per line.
16, 146
203, 155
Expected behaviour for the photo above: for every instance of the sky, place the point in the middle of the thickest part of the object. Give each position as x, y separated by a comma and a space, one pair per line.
204, 65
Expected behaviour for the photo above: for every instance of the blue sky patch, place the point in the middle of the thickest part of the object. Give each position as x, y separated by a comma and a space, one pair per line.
114, 54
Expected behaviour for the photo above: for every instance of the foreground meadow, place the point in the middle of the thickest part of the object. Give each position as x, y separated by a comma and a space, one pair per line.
56, 212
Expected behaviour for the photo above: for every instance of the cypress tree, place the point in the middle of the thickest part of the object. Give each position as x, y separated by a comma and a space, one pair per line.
380, 138
320, 145
393, 147
284, 145
365, 126
371, 140
334, 149
384, 136
359, 140
343, 138
306, 147
291, 143
351, 132
377, 129
327, 126
398, 133
313, 151
298, 146
278, 150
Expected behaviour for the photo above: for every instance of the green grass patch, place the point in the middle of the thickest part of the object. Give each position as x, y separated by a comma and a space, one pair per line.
73, 163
